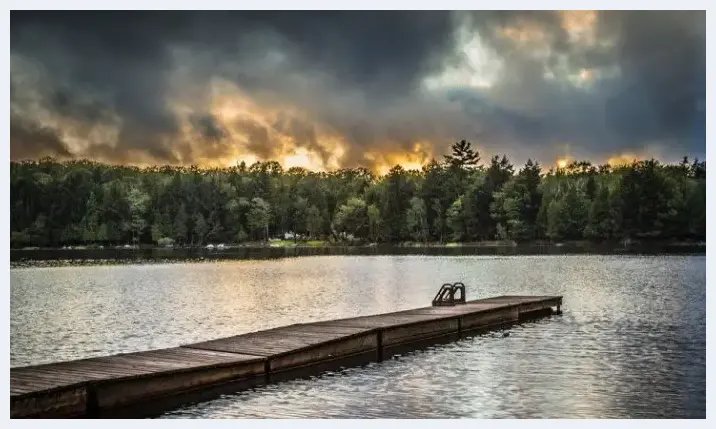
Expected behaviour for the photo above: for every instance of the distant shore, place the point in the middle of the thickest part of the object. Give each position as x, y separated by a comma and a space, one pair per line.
116, 255
327, 243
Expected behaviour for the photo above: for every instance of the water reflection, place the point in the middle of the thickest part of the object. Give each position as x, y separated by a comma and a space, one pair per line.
631, 342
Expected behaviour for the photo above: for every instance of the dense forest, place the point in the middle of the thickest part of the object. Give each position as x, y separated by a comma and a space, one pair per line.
459, 198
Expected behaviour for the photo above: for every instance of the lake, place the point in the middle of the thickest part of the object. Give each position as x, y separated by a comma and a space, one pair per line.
630, 343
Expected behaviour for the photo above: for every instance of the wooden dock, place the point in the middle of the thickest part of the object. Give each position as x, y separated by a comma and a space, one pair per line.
146, 383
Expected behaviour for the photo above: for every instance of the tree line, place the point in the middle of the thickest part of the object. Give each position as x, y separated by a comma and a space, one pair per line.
458, 198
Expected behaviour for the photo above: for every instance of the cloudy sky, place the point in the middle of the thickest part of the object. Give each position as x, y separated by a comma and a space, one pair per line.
343, 89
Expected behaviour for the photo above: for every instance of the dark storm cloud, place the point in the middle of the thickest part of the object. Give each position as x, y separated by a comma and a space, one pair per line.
383, 51
214, 137
208, 127
121, 57
386, 50
359, 75
125, 56
65, 103
662, 90
657, 95
303, 134
30, 140
258, 139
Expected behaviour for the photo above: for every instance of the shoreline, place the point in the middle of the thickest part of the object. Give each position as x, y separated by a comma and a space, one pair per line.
38, 258
405, 244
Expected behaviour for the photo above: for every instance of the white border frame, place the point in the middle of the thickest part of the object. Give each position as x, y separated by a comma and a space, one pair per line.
353, 4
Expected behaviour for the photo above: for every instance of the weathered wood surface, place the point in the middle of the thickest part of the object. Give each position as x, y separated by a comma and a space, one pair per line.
278, 341
64, 374
78, 386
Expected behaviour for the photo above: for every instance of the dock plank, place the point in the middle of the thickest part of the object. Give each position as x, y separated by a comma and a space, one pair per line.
425, 313
243, 346
339, 330
148, 365
514, 299
64, 374
81, 373
277, 341
458, 310
386, 320
43, 381
16, 390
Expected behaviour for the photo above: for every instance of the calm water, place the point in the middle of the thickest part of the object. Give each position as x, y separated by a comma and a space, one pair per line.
630, 344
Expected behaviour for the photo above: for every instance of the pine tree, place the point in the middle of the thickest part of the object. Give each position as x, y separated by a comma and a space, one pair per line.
463, 155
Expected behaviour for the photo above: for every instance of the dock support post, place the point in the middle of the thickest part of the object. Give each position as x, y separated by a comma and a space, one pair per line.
92, 407
459, 327
380, 345
267, 372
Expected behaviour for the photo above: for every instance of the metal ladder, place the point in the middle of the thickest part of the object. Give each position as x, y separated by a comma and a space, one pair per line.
446, 295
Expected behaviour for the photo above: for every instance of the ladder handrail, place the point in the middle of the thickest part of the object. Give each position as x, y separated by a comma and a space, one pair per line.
446, 287
446, 294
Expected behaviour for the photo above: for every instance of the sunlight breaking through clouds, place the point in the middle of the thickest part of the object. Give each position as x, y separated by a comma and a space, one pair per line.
207, 88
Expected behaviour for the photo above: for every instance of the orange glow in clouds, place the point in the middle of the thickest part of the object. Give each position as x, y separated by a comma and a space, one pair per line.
254, 130
562, 162
621, 160
409, 159
302, 158
252, 133
580, 25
